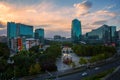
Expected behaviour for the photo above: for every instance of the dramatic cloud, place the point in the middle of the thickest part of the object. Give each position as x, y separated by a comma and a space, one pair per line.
38, 15
83, 8
53, 18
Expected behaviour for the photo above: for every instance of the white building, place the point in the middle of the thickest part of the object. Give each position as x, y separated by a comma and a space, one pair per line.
30, 42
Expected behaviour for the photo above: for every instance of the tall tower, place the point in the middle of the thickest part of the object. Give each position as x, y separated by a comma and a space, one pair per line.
39, 34
76, 31
11, 30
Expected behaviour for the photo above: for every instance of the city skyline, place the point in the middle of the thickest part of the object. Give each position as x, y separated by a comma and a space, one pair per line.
56, 16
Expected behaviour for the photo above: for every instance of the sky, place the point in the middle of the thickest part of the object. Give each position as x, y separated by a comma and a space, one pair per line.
55, 16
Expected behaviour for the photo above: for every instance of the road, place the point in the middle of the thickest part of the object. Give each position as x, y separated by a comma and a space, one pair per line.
115, 75
78, 76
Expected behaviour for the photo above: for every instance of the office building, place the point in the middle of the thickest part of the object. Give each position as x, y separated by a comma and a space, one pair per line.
24, 30
15, 30
16, 35
103, 34
11, 30
30, 42
76, 31
39, 34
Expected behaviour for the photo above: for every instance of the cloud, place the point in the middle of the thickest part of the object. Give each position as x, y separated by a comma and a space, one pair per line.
99, 22
110, 6
53, 18
43, 15
83, 8
96, 19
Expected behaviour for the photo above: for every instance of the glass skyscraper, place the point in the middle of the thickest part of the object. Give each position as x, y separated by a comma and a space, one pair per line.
39, 34
15, 30
105, 33
76, 31
24, 30
11, 30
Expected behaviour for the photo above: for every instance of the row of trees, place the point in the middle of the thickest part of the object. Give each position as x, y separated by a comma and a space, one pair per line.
96, 58
29, 62
5, 68
90, 50
4, 51
96, 53
33, 61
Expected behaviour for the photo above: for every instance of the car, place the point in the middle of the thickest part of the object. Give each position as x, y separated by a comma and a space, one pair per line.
97, 68
84, 73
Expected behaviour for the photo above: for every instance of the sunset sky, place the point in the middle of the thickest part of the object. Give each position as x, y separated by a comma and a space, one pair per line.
55, 16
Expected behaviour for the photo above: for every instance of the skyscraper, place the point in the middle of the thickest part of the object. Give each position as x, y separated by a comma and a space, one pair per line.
39, 34
15, 30
11, 30
24, 30
105, 34
76, 31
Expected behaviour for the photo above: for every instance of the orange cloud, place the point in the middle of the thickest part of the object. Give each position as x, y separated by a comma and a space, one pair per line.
55, 19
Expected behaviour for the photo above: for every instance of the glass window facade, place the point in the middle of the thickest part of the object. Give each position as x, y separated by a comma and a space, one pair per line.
15, 30
19, 30
11, 30
39, 34
76, 30
24, 31
104, 33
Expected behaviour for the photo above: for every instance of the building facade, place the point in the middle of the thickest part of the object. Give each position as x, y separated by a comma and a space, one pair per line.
24, 30
103, 34
17, 34
11, 30
39, 34
30, 42
76, 31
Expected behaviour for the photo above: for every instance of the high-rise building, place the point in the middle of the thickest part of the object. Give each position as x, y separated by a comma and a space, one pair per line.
105, 34
11, 30
76, 31
24, 30
17, 33
39, 34
15, 30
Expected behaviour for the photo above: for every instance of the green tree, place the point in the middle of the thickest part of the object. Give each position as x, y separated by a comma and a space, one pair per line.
35, 69
4, 51
83, 60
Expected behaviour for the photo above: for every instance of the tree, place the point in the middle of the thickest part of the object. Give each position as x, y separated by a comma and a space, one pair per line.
73, 64
3, 65
83, 60
34, 49
35, 69
4, 51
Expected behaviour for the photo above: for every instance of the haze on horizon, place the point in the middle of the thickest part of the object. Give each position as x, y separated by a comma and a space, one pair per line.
55, 16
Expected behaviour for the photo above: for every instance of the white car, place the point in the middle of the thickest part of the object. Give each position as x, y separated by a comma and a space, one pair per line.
97, 68
84, 74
